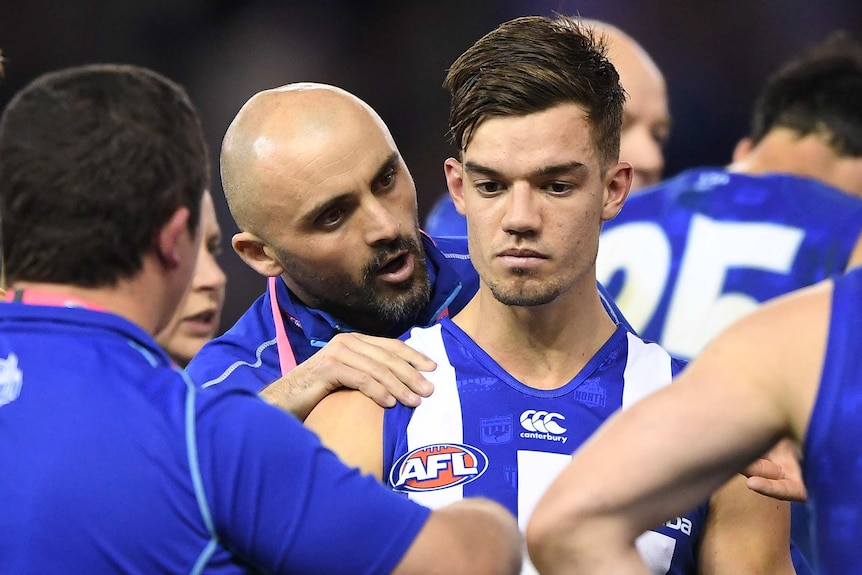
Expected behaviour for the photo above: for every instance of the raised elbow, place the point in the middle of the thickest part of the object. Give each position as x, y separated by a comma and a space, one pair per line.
546, 539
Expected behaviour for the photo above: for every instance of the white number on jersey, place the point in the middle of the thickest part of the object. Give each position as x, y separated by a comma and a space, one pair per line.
698, 308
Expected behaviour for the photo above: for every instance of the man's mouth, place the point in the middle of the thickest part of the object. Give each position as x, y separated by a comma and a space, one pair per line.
522, 258
201, 323
397, 269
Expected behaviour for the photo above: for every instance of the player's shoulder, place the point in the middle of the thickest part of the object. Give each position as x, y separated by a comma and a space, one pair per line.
246, 352
643, 366
648, 352
444, 219
653, 202
810, 194
721, 193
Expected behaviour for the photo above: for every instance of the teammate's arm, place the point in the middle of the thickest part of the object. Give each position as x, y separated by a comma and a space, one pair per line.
456, 538
752, 384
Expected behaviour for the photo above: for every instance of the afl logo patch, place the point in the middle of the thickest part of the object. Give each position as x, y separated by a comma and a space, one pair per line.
437, 466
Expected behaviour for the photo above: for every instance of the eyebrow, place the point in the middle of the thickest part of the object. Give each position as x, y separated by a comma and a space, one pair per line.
320, 207
546, 171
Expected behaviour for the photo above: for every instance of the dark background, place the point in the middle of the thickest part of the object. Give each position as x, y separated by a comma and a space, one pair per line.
393, 54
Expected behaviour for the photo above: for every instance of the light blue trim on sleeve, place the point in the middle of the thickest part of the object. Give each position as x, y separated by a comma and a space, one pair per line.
455, 256
197, 480
234, 366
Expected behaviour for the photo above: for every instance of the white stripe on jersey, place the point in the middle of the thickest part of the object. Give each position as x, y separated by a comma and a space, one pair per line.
439, 420
648, 369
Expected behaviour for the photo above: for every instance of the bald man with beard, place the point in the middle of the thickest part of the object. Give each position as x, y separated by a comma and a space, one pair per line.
327, 212
646, 123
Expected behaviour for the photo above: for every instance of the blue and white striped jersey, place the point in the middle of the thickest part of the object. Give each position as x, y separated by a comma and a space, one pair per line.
483, 433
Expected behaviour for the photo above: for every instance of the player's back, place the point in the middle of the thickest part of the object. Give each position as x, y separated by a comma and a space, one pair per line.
95, 468
689, 256
832, 448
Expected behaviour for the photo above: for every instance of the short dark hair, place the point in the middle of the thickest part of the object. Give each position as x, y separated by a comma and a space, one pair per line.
95, 160
533, 63
821, 92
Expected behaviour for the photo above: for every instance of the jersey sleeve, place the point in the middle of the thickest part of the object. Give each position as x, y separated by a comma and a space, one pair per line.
223, 363
285, 504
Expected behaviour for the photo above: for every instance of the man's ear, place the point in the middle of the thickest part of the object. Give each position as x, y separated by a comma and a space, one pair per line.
171, 238
455, 181
742, 149
257, 254
618, 182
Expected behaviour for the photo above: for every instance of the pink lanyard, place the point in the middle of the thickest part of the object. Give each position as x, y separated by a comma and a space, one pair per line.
37, 297
286, 358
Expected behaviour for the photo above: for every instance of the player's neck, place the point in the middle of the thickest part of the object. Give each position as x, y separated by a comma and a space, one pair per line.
126, 299
784, 151
542, 346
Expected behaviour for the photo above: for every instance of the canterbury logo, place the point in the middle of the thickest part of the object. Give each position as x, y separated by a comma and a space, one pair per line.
542, 422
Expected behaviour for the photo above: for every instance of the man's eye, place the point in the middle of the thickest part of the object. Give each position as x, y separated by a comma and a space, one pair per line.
331, 218
386, 180
488, 187
559, 187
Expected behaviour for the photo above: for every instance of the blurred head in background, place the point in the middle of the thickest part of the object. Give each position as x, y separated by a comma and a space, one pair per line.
197, 318
646, 115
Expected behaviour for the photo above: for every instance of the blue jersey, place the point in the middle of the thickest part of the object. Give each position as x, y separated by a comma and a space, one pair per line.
113, 462
248, 354
833, 452
444, 220
688, 257
483, 433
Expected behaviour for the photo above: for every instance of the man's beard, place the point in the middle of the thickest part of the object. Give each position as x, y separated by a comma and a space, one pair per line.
369, 302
